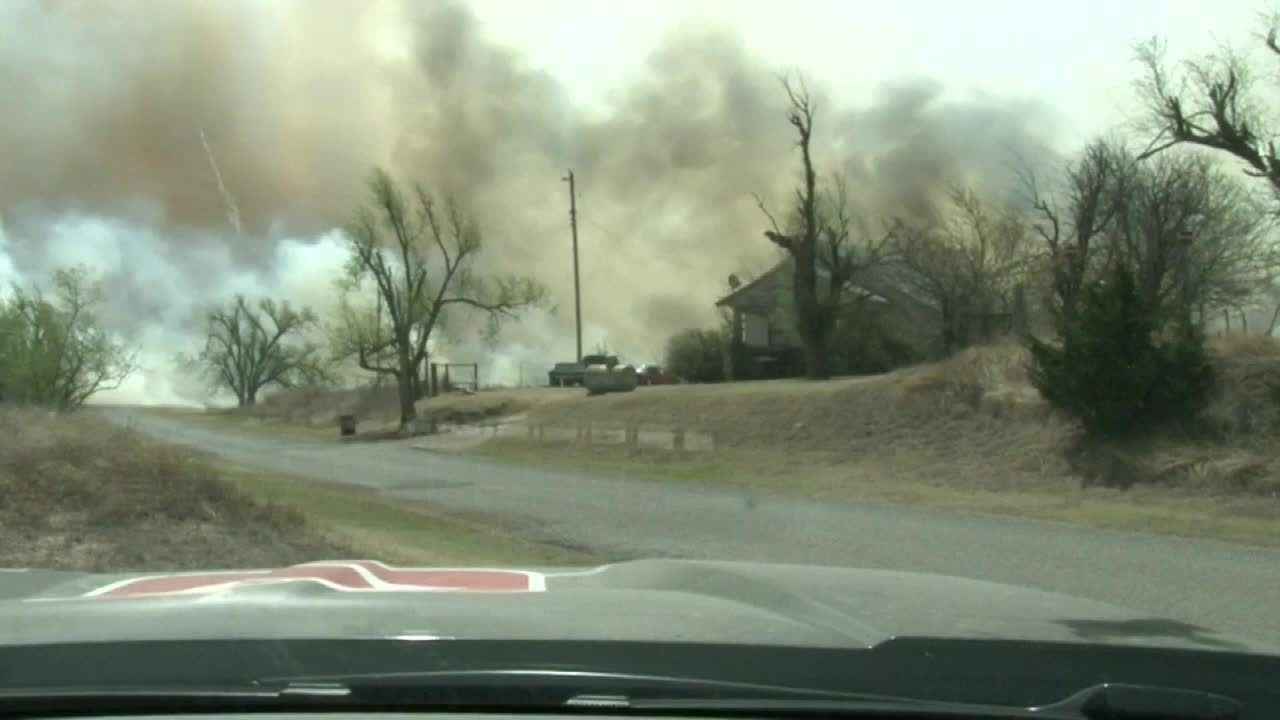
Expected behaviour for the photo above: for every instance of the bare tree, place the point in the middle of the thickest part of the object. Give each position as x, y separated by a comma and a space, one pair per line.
969, 261
1211, 102
1275, 317
361, 322
54, 351
1071, 226
1192, 236
828, 250
251, 346
1196, 236
419, 254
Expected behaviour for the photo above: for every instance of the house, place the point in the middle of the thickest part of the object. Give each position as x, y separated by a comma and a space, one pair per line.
764, 346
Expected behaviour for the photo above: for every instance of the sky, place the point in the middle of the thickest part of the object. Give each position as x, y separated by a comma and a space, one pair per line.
670, 113
1076, 57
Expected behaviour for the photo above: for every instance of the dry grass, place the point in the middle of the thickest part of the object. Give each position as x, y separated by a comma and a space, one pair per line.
1245, 403
312, 414
969, 426
401, 532
1229, 452
315, 407
968, 433
1235, 347
81, 494
914, 425
1248, 520
224, 420
972, 375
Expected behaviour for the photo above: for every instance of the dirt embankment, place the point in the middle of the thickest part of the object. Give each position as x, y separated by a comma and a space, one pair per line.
320, 408
81, 494
973, 420
377, 411
967, 433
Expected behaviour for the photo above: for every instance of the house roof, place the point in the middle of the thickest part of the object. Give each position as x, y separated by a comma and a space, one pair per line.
760, 292
752, 288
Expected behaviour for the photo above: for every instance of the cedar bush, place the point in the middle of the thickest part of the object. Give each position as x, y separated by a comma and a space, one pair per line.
1120, 368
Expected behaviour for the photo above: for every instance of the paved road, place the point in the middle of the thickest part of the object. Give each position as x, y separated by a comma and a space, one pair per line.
1215, 585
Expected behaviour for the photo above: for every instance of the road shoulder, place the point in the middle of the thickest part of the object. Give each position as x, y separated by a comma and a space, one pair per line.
398, 531
1162, 511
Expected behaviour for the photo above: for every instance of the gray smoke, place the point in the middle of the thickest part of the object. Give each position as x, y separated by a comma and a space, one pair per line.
103, 159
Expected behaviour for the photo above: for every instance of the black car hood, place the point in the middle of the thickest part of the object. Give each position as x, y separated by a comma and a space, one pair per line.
648, 600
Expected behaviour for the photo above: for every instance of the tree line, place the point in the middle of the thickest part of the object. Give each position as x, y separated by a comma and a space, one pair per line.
411, 261
1193, 236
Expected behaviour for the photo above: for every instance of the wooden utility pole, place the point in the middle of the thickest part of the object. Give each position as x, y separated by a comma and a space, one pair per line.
577, 288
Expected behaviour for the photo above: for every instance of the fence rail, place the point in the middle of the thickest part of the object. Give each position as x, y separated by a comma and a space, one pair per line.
630, 435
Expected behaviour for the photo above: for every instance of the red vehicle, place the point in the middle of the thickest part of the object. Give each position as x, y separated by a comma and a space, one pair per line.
651, 375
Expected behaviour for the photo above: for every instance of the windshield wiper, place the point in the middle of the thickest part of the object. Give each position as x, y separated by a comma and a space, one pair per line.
657, 694
587, 692
1103, 702
559, 687
58, 700
1123, 702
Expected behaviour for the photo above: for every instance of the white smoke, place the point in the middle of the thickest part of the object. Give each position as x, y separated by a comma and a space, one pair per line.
154, 296
8, 273
106, 166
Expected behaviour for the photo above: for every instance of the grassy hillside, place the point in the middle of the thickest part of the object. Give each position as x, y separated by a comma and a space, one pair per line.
973, 418
312, 414
82, 494
969, 432
79, 493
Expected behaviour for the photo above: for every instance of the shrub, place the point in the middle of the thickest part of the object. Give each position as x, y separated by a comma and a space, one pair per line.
869, 342
696, 355
1245, 398
53, 350
1113, 371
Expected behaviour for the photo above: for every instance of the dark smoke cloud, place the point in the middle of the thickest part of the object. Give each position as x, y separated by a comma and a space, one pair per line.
905, 151
299, 102
108, 99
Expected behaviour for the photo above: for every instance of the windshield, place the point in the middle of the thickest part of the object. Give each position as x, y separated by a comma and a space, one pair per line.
816, 325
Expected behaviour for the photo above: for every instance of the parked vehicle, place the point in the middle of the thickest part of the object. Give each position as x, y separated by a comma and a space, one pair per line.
566, 374
652, 375
572, 374
601, 379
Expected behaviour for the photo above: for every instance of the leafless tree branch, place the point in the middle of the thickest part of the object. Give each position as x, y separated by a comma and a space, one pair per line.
419, 268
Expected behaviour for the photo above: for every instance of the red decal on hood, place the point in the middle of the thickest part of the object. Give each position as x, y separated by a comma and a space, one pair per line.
347, 576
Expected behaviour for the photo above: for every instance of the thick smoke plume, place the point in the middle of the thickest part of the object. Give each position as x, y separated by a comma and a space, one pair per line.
103, 160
